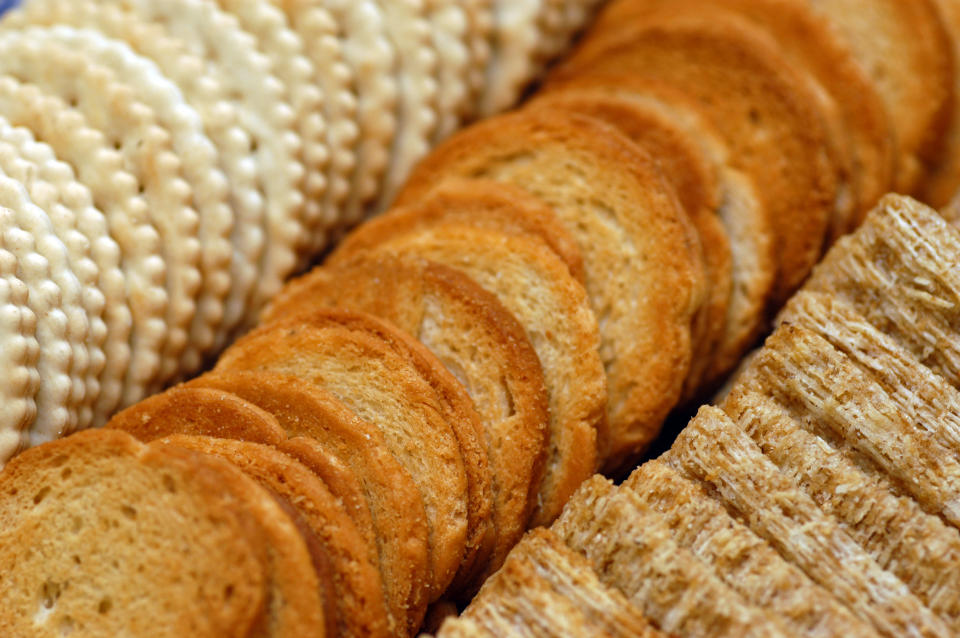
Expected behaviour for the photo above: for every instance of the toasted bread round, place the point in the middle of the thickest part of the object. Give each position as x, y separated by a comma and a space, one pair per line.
347, 354
478, 202
103, 535
484, 346
638, 246
198, 411
943, 182
686, 165
754, 98
534, 285
354, 603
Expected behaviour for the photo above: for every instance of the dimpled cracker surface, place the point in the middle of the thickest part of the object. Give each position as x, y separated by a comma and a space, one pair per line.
19, 350
641, 283
718, 453
106, 569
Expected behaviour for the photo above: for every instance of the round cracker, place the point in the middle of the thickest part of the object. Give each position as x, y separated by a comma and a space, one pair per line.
200, 83
135, 326
260, 101
320, 34
19, 350
408, 27
63, 327
479, 39
514, 45
284, 48
130, 126
82, 228
200, 168
449, 28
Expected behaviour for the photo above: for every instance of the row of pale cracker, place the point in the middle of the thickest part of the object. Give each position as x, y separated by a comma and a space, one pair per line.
178, 160
821, 498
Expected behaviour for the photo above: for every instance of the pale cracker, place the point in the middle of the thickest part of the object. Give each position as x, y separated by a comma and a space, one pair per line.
450, 28
408, 27
320, 34
200, 168
514, 47
284, 47
130, 125
135, 328
199, 81
68, 252
18, 353
217, 37
480, 18
54, 297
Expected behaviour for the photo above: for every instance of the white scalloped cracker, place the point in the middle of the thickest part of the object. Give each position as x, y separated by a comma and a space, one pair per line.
284, 48
408, 27
200, 164
18, 355
450, 29
372, 58
200, 83
54, 297
260, 99
131, 127
320, 34
95, 256
480, 19
68, 251
135, 328
515, 33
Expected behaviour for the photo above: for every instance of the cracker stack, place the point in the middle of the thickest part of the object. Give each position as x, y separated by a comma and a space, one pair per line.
819, 499
178, 160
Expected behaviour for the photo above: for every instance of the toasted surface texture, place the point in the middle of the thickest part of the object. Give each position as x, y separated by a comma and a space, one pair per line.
766, 115
99, 533
637, 244
478, 340
353, 357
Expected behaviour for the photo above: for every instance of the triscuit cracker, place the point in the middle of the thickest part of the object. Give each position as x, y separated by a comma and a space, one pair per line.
56, 297
407, 25
19, 351
51, 186
899, 272
630, 547
131, 127
264, 112
449, 29
199, 165
813, 379
742, 559
372, 58
135, 325
513, 45
717, 452
920, 549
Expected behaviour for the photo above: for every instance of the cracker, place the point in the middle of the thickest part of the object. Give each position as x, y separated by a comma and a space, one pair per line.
743, 560
31, 163
130, 126
805, 373
407, 25
264, 112
629, 546
718, 453
200, 169
513, 46
943, 182
479, 38
54, 297
371, 56
19, 350
449, 28
320, 34
136, 328
285, 49
891, 527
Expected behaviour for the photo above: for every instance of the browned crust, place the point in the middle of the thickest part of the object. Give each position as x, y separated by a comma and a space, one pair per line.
201, 411
754, 98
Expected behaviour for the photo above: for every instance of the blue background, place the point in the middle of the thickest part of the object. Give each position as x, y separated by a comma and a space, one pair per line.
6, 4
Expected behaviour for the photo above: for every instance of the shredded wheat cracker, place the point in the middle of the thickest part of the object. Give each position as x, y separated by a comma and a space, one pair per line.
200, 168
135, 328
130, 126
718, 453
